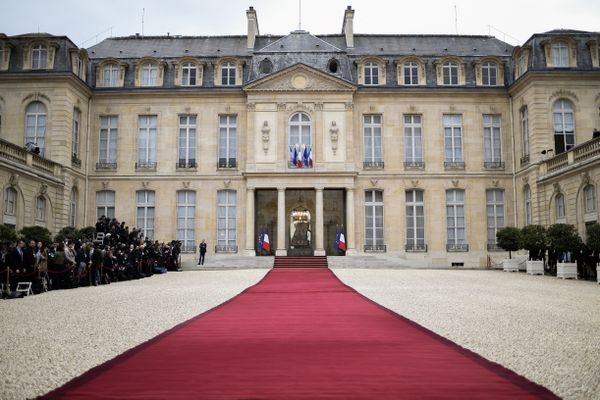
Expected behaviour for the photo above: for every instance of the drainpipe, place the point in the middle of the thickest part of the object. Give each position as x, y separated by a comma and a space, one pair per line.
514, 160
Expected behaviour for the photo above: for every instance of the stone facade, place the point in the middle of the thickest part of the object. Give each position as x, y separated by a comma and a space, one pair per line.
415, 146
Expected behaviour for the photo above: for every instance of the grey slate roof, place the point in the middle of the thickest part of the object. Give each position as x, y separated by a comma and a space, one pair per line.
299, 42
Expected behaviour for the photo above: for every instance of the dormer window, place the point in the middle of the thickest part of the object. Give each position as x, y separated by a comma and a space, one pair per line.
39, 56
111, 74
560, 54
371, 73
149, 74
411, 73
333, 66
188, 74
450, 71
265, 66
489, 74
228, 74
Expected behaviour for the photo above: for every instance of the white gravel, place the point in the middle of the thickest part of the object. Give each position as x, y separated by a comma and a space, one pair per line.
541, 327
48, 339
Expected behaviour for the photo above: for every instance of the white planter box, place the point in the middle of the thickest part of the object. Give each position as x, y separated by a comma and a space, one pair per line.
510, 265
598, 273
566, 270
535, 267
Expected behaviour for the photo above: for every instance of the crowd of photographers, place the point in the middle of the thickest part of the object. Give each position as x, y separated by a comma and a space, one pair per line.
114, 254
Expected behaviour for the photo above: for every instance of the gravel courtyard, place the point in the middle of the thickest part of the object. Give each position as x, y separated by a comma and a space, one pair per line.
541, 327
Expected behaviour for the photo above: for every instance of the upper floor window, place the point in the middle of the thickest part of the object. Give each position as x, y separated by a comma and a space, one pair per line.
373, 141
149, 74
111, 75
300, 141
187, 141
188, 74
525, 130
105, 204
453, 151
560, 207
492, 141
522, 63
147, 141
76, 134
227, 141
228, 71
107, 149
411, 73
489, 74
590, 198
564, 126
39, 56
371, 73
450, 73
35, 126
560, 54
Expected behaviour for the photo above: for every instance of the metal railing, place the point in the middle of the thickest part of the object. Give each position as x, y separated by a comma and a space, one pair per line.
494, 247
373, 164
226, 249
145, 166
416, 247
227, 163
493, 164
106, 165
525, 160
457, 247
186, 164
414, 164
380, 248
449, 165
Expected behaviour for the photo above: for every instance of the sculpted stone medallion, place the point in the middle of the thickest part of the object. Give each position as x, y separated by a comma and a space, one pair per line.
299, 81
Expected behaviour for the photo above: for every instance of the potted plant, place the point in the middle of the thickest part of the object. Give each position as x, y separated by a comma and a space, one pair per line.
509, 239
535, 242
593, 242
564, 242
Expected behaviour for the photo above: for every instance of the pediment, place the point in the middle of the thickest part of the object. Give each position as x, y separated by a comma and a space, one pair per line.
300, 77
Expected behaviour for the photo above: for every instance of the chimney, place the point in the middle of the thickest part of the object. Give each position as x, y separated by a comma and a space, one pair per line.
252, 27
348, 26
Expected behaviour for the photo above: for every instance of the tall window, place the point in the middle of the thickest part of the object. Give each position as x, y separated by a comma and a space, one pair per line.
149, 74
374, 220
145, 212
525, 130
188, 75
228, 74
76, 133
495, 214
187, 141
105, 204
371, 73
372, 129
560, 54
564, 126
40, 210
107, 150
10, 202
186, 219
415, 220
492, 141
147, 141
455, 214
73, 207
489, 74
560, 207
527, 196
39, 56
300, 141
226, 220
413, 145
35, 125
450, 73
411, 73
111, 75
227, 141
590, 198
453, 151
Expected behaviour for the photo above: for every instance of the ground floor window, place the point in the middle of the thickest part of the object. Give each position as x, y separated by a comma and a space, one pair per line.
226, 221
374, 221
186, 220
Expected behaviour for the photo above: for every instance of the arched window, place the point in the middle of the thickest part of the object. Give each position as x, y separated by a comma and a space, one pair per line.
228, 74
527, 198
559, 203
560, 54
564, 126
111, 75
10, 206
105, 204
589, 194
35, 126
145, 212
371, 73
40, 210
489, 74
299, 141
450, 73
39, 56
73, 207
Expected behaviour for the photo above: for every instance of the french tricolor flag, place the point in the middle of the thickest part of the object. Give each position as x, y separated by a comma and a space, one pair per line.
266, 246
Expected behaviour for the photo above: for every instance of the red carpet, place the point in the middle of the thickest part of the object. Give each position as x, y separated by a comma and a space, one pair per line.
299, 334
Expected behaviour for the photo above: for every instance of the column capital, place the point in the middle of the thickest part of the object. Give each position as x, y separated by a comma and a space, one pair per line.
319, 188
281, 189
350, 189
250, 188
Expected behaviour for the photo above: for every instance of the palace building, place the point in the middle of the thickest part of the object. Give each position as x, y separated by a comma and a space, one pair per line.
418, 147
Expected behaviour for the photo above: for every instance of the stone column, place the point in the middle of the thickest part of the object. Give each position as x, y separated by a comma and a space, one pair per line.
350, 239
250, 251
281, 250
319, 250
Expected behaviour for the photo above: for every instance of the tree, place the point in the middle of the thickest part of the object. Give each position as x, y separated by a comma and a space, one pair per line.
535, 241
89, 232
509, 239
563, 238
36, 233
7, 234
593, 237
68, 232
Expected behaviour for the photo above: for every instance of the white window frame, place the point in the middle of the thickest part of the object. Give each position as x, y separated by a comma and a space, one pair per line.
188, 74
73, 207
411, 73
560, 54
76, 133
371, 73
147, 137
525, 130
228, 73
40, 210
560, 210
528, 211
450, 73
105, 203
563, 117
453, 141
187, 140
146, 212
39, 56
456, 217
149, 74
110, 73
373, 139
589, 193
489, 74
413, 138
10, 202
186, 220
492, 138
374, 218
227, 141
107, 147
36, 120
227, 221
415, 219
495, 214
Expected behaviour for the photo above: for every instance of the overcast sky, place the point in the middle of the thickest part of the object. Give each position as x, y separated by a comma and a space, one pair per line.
86, 22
